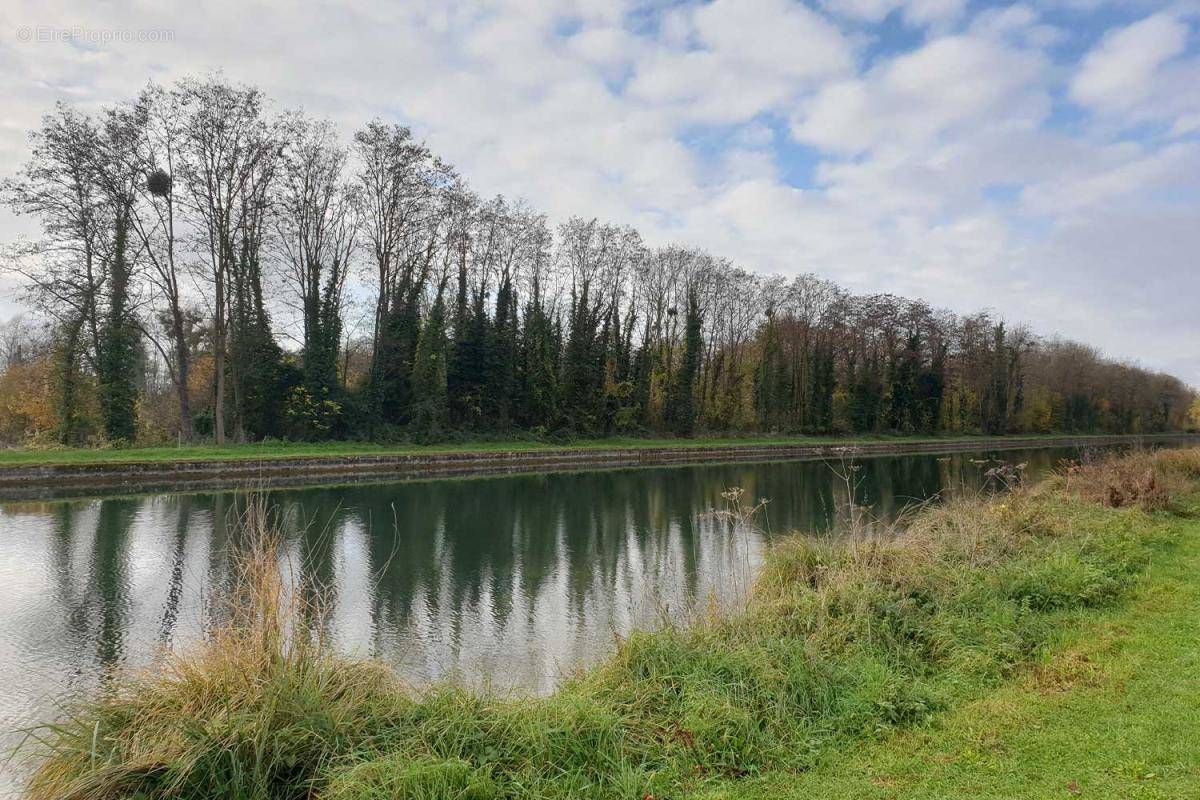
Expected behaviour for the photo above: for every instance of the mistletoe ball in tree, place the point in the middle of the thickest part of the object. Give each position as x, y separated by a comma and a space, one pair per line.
158, 183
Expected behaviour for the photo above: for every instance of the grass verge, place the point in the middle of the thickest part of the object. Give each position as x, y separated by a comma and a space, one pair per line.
1110, 710
841, 644
23, 457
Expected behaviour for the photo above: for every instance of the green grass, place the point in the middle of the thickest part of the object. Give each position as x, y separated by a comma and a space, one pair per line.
1111, 709
18, 457
853, 664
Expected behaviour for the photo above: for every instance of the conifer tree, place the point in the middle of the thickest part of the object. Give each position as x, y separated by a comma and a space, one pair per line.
539, 366
430, 408
931, 388
683, 405
995, 407
866, 395
471, 365
583, 367
905, 402
772, 387
502, 358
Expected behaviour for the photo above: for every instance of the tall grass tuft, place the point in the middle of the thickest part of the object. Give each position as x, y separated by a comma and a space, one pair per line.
841, 639
260, 710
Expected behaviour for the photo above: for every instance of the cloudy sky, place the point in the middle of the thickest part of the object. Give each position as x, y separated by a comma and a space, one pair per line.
1039, 159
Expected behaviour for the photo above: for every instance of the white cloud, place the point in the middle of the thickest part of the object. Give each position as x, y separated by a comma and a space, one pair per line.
733, 59
1120, 71
951, 82
1129, 173
1019, 23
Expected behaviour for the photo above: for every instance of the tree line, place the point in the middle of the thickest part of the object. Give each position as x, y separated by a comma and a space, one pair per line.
177, 226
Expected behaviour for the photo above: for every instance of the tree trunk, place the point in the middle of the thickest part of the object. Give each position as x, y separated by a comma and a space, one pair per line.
182, 372
219, 361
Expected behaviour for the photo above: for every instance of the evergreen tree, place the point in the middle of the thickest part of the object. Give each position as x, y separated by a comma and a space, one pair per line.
683, 406
772, 387
995, 408
931, 389
824, 384
115, 192
583, 367
539, 405
66, 388
866, 396
394, 365
470, 366
430, 406
905, 403
643, 378
1080, 413
610, 374
502, 358
322, 342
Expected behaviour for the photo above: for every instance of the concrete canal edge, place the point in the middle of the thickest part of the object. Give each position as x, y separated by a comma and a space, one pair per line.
57, 480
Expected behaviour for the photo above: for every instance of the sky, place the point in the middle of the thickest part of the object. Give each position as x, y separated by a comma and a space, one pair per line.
1040, 160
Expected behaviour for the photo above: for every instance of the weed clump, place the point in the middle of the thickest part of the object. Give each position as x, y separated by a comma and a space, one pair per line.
1144, 479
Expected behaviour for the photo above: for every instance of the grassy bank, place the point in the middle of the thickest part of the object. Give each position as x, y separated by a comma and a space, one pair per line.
1111, 709
841, 644
280, 450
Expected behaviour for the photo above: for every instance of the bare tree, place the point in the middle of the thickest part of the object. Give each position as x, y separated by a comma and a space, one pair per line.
398, 180
226, 146
159, 223
316, 218
64, 269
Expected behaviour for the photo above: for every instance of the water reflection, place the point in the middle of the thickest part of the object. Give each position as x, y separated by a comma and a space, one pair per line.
505, 581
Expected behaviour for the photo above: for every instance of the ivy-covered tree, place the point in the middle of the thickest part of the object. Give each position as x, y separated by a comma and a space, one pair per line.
771, 381
118, 364
259, 379
316, 222
683, 406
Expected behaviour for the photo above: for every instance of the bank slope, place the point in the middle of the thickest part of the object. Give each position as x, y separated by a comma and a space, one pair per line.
1111, 710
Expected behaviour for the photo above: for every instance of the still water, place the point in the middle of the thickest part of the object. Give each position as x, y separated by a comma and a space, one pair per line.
501, 581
